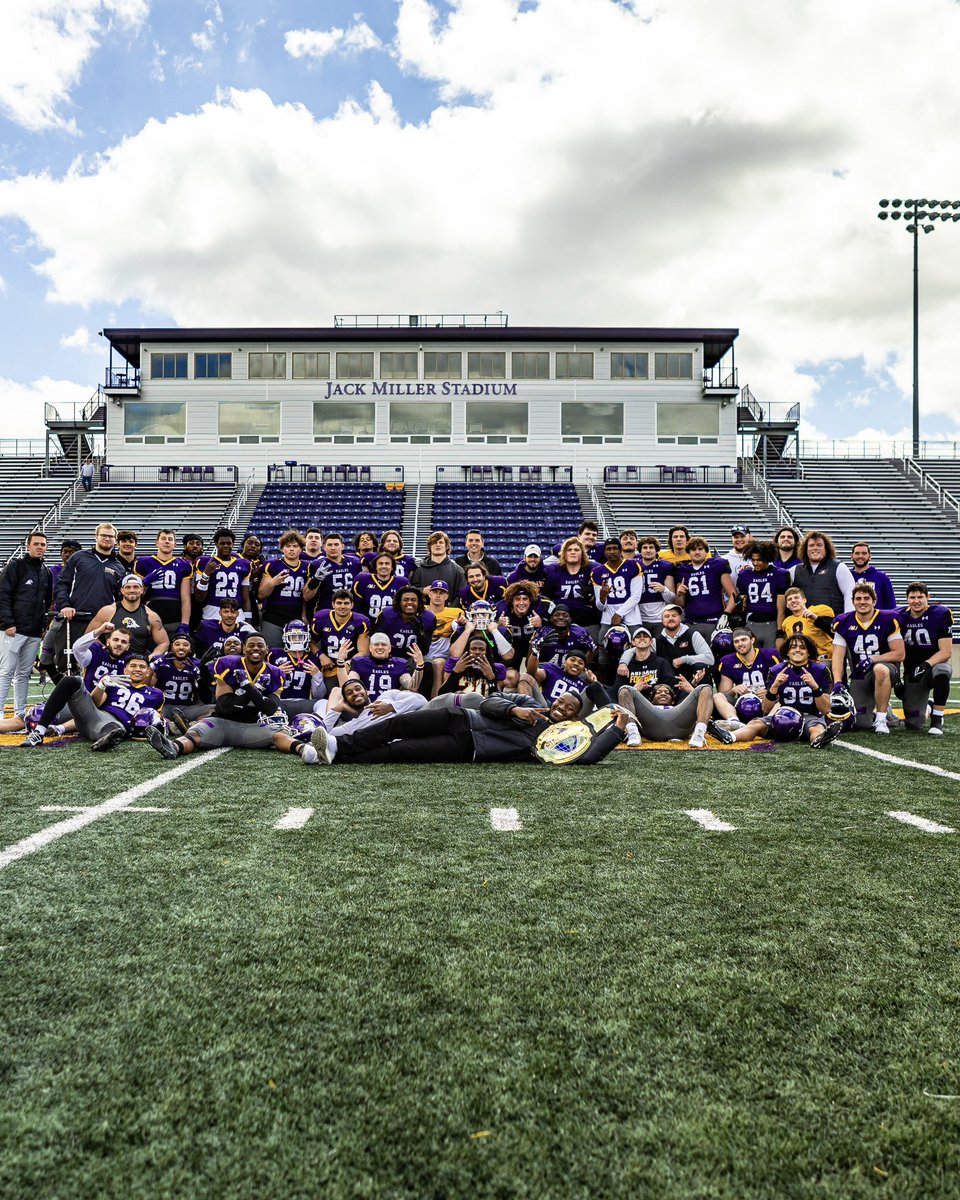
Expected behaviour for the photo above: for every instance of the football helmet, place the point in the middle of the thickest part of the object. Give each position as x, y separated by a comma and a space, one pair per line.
296, 637
748, 707
146, 718
843, 708
786, 724
721, 640
482, 614
617, 639
303, 725
32, 716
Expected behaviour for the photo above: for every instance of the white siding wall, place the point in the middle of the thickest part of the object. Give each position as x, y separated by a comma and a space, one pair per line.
544, 445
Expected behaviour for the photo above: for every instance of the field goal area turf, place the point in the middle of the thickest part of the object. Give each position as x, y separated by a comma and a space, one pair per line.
670, 975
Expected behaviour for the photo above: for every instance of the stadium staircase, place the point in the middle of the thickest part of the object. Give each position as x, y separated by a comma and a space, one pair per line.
511, 515
416, 526
27, 494
945, 473
145, 508
345, 507
910, 536
708, 510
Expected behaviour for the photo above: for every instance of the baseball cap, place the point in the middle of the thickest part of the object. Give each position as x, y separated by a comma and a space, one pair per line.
642, 631
379, 638
131, 579
561, 608
439, 585
677, 607
71, 544
533, 549
739, 528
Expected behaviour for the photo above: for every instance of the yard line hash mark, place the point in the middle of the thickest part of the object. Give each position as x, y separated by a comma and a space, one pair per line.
920, 822
295, 818
898, 762
37, 841
704, 817
505, 820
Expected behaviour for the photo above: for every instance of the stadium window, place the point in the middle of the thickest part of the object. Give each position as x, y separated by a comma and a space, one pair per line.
688, 424
673, 366
168, 366
496, 423
267, 365
339, 424
248, 422
151, 424
591, 423
311, 364
442, 364
398, 364
629, 364
574, 364
486, 364
212, 366
530, 364
420, 424
354, 364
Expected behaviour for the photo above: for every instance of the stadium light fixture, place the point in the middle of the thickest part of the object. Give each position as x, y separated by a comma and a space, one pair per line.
916, 213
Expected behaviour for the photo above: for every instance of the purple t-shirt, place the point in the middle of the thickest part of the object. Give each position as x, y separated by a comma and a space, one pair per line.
753, 675
379, 675
794, 692
705, 596
862, 641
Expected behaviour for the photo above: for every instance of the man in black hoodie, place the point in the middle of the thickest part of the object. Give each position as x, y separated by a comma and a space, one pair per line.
26, 589
89, 580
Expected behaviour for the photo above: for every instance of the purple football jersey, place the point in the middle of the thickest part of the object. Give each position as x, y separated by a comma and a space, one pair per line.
551, 648
211, 635
125, 700
178, 680
794, 691
406, 564
379, 675
402, 633
163, 577
558, 683
372, 597
101, 663
761, 589
328, 632
621, 581
922, 634
297, 682
334, 577
226, 580
492, 591
705, 596
861, 640
576, 591
658, 570
231, 670
285, 602
753, 674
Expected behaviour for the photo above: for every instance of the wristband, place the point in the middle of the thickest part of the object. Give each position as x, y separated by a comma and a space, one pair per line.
818, 692
342, 662
770, 692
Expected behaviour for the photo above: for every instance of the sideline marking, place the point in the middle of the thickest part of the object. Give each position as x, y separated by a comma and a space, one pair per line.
52, 833
900, 762
920, 822
295, 818
704, 817
84, 807
505, 820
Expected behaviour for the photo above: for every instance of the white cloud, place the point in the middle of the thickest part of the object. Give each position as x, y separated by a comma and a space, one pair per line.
23, 404
318, 43
678, 162
80, 339
44, 48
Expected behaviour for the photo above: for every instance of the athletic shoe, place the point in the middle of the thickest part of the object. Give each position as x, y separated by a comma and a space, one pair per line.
176, 718
32, 739
309, 756
880, 725
633, 736
733, 723
697, 740
935, 730
830, 734
722, 735
112, 738
325, 745
161, 743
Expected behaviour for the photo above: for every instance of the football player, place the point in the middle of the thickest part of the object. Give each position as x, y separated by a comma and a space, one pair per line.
222, 576
373, 593
481, 585
864, 572
333, 571
704, 588
743, 672
446, 618
281, 588
658, 584
475, 672
147, 634
303, 682
927, 664
872, 643
168, 580
177, 675
408, 622
569, 581
392, 543
212, 634
554, 640
521, 613
333, 626
684, 648
667, 715
813, 621
762, 585
617, 588
104, 716
378, 670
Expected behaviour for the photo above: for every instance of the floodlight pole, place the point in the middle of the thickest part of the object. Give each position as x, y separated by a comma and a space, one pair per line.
916, 336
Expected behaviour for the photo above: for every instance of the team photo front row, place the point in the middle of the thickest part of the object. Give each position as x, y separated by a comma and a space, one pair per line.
371, 656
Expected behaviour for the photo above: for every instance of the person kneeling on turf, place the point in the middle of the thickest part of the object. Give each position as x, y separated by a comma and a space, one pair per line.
247, 709
929, 649
872, 642
106, 715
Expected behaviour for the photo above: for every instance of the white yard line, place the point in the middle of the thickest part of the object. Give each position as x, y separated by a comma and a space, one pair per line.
704, 817
505, 820
53, 833
899, 762
295, 818
920, 822
84, 807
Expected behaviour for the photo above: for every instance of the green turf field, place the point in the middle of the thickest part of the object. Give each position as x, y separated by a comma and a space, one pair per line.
398, 1000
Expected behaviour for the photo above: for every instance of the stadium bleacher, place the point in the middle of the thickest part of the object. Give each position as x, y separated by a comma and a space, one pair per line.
511, 516
708, 510
345, 507
27, 493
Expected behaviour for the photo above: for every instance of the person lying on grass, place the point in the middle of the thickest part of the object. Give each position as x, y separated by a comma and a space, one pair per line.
107, 715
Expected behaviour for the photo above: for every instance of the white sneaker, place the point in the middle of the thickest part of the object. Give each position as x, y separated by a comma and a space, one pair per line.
309, 755
697, 740
325, 745
633, 736
880, 725
935, 731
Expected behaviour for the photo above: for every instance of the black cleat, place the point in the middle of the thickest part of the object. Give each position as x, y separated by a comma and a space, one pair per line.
175, 717
111, 739
830, 734
721, 734
163, 745
32, 740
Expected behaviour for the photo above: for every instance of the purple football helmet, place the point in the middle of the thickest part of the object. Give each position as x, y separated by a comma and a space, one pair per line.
146, 718
749, 707
721, 642
786, 724
32, 717
296, 637
303, 725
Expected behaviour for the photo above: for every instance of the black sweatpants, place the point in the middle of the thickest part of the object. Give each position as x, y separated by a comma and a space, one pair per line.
427, 735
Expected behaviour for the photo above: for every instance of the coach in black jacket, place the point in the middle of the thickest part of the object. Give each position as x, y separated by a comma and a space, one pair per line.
26, 589
503, 729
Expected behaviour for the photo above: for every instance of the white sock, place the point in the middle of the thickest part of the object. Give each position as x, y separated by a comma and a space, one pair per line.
309, 755
700, 728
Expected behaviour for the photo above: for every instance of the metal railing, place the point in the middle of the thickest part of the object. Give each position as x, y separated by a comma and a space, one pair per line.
944, 498
297, 472
497, 320
713, 379
754, 478
23, 448
68, 413
239, 500
596, 499
111, 473
778, 412
129, 378
52, 517
851, 448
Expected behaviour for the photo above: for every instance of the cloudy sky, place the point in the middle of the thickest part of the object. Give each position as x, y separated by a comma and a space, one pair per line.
636, 162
